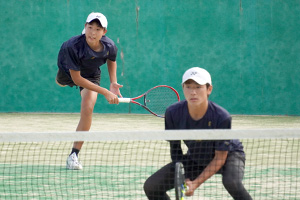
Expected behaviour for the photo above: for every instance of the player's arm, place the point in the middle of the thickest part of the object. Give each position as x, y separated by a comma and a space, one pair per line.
212, 168
175, 145
82, 82
112, 71
176, 151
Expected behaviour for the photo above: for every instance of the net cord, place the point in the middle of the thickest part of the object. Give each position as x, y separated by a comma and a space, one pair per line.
216, 134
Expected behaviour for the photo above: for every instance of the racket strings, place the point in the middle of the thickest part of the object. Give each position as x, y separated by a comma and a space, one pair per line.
158, 99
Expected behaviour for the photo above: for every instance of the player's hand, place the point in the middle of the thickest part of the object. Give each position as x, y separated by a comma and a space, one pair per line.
111, 98
115, 88
190, 187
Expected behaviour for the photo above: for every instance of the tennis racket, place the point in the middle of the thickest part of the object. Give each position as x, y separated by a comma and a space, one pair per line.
180, 186
156, 100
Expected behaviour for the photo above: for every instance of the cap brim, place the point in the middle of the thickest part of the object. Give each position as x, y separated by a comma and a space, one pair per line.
103, 22
197, 80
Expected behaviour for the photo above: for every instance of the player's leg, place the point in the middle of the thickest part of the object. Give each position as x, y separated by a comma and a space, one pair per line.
160, 182
233, 174
88, 100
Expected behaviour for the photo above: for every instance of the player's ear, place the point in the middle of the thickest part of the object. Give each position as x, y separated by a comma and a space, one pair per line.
105, 31
209, 89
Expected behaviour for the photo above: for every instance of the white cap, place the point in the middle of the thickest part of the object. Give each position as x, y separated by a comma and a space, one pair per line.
201, 76
95, 15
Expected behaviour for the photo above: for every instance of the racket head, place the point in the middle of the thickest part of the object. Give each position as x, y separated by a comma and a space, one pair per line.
159, 98
179, 183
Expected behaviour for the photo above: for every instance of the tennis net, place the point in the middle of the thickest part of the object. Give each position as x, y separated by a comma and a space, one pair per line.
116, 164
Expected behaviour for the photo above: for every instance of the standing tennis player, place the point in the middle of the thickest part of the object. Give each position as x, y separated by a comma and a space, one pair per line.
204, 158
79, 62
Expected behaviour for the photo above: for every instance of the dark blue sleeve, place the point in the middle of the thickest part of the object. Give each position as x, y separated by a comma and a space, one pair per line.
71, 60
113, 53
224, 145
176, 151
168, 120
225, 124
175, 145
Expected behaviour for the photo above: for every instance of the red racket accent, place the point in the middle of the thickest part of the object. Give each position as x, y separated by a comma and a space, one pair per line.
156, 100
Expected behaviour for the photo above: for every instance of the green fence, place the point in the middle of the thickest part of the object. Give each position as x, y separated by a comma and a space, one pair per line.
251, 49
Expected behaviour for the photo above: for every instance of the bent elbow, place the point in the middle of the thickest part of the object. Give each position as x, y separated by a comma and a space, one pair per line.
76, 82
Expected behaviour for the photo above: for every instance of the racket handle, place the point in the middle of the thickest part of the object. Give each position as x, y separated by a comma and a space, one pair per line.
124, 100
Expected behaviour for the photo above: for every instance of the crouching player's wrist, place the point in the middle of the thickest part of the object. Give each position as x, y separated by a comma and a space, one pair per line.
191, 186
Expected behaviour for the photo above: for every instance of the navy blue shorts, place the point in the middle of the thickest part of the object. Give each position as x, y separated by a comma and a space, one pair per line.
64, 78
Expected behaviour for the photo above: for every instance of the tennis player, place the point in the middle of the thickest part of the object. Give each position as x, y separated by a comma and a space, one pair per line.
203, 158
79, 62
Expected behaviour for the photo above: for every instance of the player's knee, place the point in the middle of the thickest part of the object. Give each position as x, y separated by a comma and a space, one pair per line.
87, 110
149, 193
88, 102
233, 185
152, 194
147, 186
87, 107
153, 191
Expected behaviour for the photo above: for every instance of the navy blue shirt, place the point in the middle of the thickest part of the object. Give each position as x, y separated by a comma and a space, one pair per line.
203, 151
76, 54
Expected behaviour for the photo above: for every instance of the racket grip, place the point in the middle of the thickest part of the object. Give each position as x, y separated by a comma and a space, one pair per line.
124, 100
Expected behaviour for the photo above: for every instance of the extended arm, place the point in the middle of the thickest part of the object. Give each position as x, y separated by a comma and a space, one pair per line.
82, 82
176, 151
112, 71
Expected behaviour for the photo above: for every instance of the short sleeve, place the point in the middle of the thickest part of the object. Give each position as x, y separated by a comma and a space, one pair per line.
113, 53
168, 120
225, 124
71, 60
224, 145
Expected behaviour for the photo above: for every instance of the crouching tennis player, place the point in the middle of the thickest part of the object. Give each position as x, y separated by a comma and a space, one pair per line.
204, 158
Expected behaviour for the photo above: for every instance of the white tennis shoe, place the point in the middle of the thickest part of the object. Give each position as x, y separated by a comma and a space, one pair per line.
73, 163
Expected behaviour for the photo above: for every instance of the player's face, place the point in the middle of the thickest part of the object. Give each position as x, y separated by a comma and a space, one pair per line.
196, 94
94, 33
